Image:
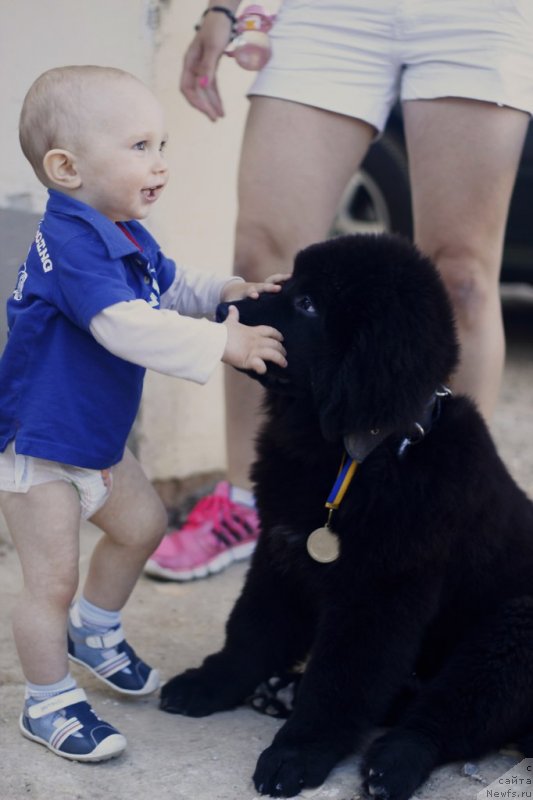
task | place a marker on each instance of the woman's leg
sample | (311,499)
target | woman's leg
(463,158)
(295,162)
(134,521)
(44,525)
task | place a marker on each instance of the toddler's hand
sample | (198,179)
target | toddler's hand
(249,347)
(238,291)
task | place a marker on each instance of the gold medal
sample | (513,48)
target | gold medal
(323,545)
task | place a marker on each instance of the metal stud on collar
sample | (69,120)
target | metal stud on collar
(408,441)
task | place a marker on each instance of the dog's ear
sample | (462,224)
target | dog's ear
(368,389)
(361,390)
(390,341)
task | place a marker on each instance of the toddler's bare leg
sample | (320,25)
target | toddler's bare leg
(44,525)
(133,521)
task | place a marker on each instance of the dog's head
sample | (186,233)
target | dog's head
(368,330)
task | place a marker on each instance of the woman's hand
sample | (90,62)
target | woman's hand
(198,78)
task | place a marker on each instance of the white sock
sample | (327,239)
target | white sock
(39,691)
(97,619)
(242,496)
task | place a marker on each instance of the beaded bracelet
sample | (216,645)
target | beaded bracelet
(221,10)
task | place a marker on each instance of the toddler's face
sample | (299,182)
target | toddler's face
(121,158)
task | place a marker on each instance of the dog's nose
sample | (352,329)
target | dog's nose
(222,311)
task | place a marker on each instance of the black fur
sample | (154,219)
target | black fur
(435,576)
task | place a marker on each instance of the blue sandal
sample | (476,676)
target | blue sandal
(110,658)
(69,727)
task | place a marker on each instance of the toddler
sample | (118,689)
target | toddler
(95,304)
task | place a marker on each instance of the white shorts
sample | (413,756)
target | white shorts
(357,57)
(19,473)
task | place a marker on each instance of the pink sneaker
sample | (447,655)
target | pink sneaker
(216,533)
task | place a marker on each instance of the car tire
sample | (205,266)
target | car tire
(378,198)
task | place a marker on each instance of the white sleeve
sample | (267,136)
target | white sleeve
(161,340)
(194,293)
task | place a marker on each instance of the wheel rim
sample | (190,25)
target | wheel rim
(362,209)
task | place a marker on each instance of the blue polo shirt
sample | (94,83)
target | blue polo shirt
(63,396)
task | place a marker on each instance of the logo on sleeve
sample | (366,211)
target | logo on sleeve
(21,280)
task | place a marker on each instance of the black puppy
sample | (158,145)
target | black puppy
(413,605)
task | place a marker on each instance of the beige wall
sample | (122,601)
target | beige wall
(180,428)
(35,36)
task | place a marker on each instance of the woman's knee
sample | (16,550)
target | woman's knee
(471,280)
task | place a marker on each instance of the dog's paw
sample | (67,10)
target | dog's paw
(283,771)
(197,693)
(395,766)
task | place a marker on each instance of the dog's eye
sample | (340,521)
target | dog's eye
(304,303)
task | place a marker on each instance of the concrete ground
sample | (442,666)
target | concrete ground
(174,626)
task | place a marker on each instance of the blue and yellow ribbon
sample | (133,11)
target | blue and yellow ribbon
(344,478)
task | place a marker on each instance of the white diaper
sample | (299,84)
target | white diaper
(19,473)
